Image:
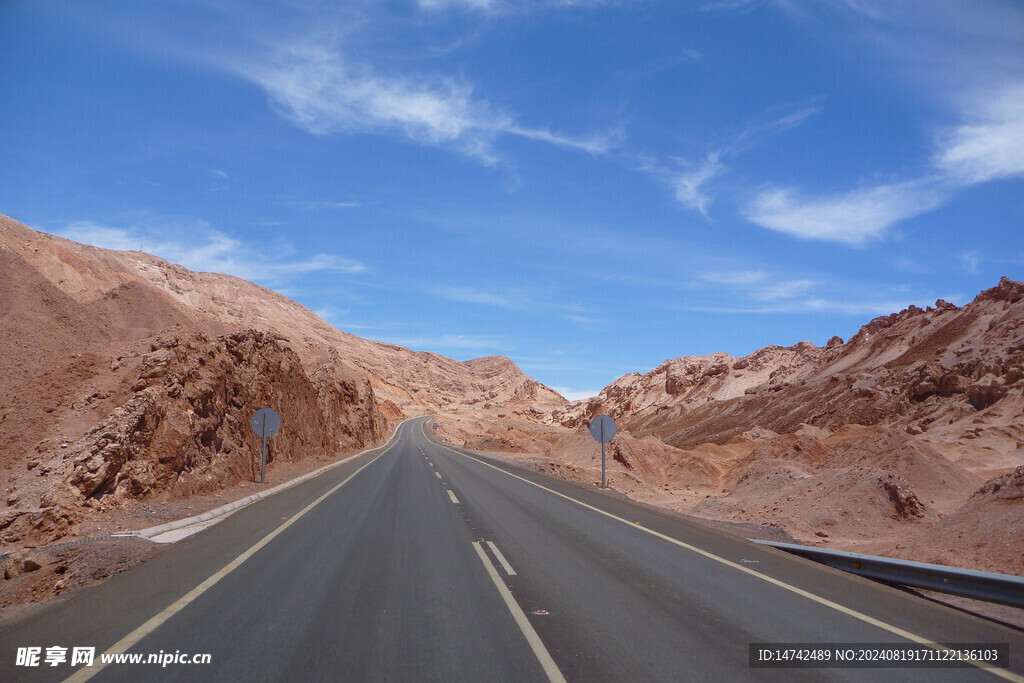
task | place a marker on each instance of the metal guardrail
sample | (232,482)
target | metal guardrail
(1001,588)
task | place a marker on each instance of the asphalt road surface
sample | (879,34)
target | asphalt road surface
(417,562)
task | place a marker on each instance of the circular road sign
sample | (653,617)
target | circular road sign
(265,421)
(602,428)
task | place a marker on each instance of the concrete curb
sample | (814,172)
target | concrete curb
(224,511)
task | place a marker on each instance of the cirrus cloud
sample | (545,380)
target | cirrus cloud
(990,144)
(311,84)
(853,217)
(200,248)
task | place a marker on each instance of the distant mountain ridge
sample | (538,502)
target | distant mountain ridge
(918,369)
(907,440)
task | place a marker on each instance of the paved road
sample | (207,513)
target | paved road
(422,563)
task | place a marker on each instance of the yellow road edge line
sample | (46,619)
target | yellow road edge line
(123,645)
(896,630)
(536,644)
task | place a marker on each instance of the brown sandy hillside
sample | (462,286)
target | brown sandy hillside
(416,382)
(880,444)
(126,378)
(985,533)
(113,392)
(943,370)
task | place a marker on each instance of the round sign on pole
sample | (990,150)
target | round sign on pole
(265,422)
(602,428)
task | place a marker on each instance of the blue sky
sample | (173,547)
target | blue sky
(589,187)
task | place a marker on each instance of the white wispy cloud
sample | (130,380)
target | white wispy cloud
(971,60)
(970,260)
(909,265)
(734,277)
(104,237)
(757,285)
(460,4)
(519,299)
(853,217)
(731,5)
(587,320)
(203,249)
(505,6)
(449,341)
(773,121)
(690,184)
(989,145)
(597,144)
(311,205)
(313,85)
(797,7)
(786,289)
(869,307)
(758,291)
(472,295)
(812,305)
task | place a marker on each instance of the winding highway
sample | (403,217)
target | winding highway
(420,562)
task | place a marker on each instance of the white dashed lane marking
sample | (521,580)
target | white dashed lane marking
(501,559)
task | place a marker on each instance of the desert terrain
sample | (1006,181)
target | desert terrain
(126,388)
(907,440)
(127,382)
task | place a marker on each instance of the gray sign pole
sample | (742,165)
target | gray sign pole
(265,422)
(263,456)
(604,480)
(602,428)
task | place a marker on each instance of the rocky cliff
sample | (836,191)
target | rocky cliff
(918,370)
(125,378)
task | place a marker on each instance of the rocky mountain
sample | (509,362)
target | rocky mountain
(126,378)
(919,370)
(417,382)
(906,440)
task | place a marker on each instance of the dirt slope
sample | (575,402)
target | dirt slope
(127,379)
(880,444)
(984,534)
(416,382)
(919,370)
